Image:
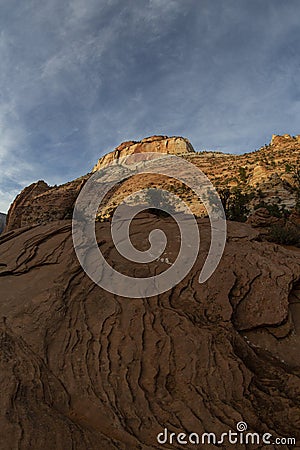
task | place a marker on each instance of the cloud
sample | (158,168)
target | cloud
(80,76)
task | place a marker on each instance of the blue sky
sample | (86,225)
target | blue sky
(77,77)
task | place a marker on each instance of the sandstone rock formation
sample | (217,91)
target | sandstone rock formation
(84,369)
(262,218)
(279,141)
(155,144)
(266,174)
(40,203)
(22,203)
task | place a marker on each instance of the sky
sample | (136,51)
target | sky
(78,77)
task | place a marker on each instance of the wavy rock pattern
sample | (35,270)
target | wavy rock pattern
(84,369)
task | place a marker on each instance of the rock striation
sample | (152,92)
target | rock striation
(267,175)
(156,144)
(262,218)
(82,368)
(41,203)
(85,369)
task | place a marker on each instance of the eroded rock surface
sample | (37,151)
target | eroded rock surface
(175,145)
(41,203)
(84,369)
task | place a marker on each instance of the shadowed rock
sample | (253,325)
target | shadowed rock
(82,368)
(2,221)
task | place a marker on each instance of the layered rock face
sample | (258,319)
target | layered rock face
(85,369)
(23,203)
(41,203)
(262,219)
(265,174)
(285,139)
(156,144)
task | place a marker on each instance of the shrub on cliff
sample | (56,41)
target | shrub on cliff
(285,234)
(160,200)
(235,203)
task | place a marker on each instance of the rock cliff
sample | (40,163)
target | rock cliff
(40,203)
(156,144)
(85,369)
(266,175)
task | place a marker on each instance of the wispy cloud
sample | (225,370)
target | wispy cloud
(77,77)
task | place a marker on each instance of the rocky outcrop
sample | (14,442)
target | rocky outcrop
(85,369)
(295,217)
(283,140)
(261,218)
(40,203)
(155,144)
(266,174)
(19,207)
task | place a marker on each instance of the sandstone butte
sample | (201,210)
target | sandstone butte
(87,370)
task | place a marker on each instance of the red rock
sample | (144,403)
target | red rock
(40,203)
(261,218)
(155,144)
(82,368)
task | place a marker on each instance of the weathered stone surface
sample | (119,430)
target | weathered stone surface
(295,217)
(84,369)
(282,140)
(267,173)
(154,144)
(19,207)
(261,218)
(40,203)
